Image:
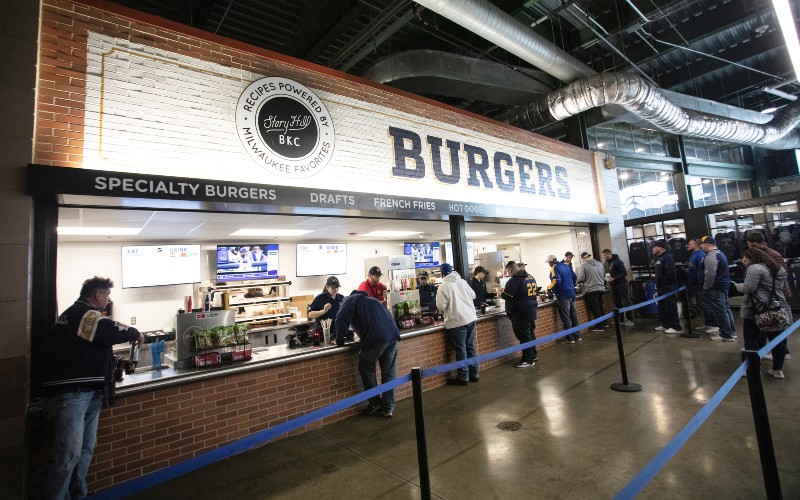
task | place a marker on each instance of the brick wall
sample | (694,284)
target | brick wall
(158,429)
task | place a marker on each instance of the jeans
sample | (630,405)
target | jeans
(386,356)
(754,338)
(525,331)
(74,417)
(717,302)
(569,316)
(462,339)
(708,318)
(594,302)
(622,298)
(668,312)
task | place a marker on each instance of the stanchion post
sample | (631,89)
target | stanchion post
(624,386)
(422,446)
(687,315)
(766,451)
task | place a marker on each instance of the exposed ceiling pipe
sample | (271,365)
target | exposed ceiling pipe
(490,22)
(648,101)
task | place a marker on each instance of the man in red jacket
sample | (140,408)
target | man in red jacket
(373,286)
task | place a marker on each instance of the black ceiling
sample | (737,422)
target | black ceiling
(723,50)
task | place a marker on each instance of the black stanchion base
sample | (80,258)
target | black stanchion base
(691,335)
(619,386)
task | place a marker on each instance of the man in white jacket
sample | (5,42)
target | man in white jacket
(455,299)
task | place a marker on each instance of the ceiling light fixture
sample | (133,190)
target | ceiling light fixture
(624,176)
(390,234)
(98,231)
(270,232)
(785,18)
(476,234)
(526,235)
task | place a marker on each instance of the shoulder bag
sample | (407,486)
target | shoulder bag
(770,316)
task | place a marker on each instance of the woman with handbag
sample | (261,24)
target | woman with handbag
(764,308)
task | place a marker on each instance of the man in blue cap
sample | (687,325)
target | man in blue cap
(455,299)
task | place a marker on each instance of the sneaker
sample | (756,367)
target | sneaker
(777,373)
(524,364)
(672,330)
(474,380)
(661,328)
(728,339)
(596,329)
(627,323)
(767,356)
(371,410)
(386,414)
(717,338)
(578,338)
(701,328)
(786,357)
(457,381)
(712,330)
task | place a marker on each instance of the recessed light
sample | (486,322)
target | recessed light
(270,232)
(526,235)
(390,234)
(99,231)
(476,234)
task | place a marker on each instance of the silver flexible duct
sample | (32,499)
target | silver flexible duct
(648,101)
(483,18)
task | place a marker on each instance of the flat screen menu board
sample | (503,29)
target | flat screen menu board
(246,262)
(157,265)
(321,259)
(448,253)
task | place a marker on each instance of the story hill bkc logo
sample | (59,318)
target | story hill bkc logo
(285,127)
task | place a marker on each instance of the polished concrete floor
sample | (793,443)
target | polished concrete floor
(578,438)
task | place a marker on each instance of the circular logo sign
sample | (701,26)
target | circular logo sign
(285,127)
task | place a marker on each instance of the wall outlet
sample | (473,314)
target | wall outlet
(133,320)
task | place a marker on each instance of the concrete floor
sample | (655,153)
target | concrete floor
(579,439)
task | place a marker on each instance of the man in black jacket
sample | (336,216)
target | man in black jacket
(78,380)
(666,281)
(617,277)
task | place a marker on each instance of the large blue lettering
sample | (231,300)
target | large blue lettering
(563,185)
(545,179)
(499,159)
(402,155)
(436,159)
(478,162)
(525,165)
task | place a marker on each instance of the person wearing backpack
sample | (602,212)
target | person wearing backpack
(763,283)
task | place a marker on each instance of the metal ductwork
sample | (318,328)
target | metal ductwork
(648,101)
(452,75)
(496,26)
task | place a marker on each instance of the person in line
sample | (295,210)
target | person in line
(756,240)
(78,382)
(568,259)
(455,299)
(378,335)
(521,307)
(326,304)
(592,274)
(562,284)
(617,277)
(666,276)
(694,277)
(478,285)
(763,280)
(373,286)
(716,281)
(427,293)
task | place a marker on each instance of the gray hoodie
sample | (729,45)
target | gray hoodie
(592,274)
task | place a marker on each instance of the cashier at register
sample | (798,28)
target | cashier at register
(427,293)
(326,305)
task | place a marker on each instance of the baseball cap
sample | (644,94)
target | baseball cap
(332,281)
(480,269)
(510,263)
(660,243)
(446,269)
(585,254)
(551,258)
(569,254)
(708,239)
(520,264)
(375,271)
(423,274)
